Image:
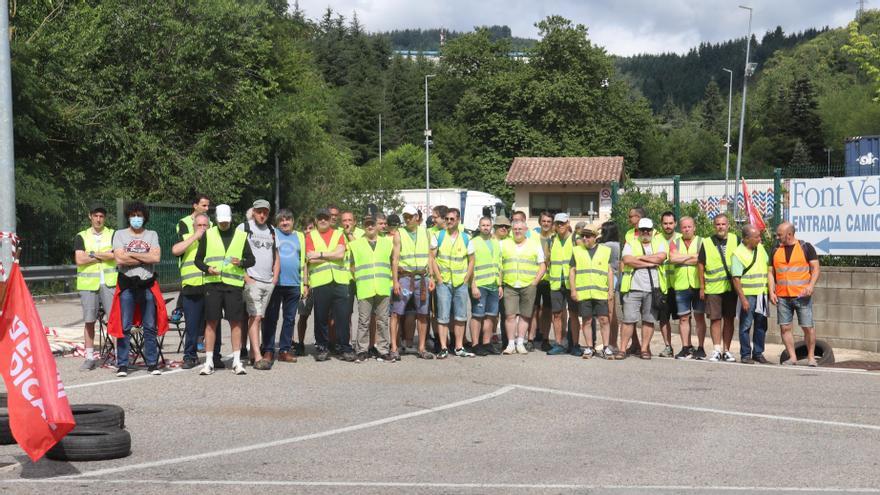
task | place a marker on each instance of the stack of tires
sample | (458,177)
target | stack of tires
(99,433)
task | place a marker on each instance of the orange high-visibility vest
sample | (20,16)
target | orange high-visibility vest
(793,276)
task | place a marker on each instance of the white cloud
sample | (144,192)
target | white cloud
(624,27)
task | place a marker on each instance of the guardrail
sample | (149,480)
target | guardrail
(46,273)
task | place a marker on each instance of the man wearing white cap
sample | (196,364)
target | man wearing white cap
(224,257)
(261,278)
(411,281)
(643,284)
(560,296)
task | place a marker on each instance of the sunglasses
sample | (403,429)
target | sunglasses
(645,230)
(588,234)
(450,219)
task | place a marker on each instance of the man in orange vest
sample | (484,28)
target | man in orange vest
(793,276)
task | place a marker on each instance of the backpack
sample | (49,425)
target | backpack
(442,235)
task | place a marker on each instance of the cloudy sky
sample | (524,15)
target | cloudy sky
(623,27)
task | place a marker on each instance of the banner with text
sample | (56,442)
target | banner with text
(838,215)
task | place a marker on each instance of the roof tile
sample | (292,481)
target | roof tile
(565,170)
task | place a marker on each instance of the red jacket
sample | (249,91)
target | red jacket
(114,321)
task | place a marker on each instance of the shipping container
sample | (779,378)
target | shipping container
(862,155)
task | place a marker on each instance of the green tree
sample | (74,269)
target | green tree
(864,49)
(712,110)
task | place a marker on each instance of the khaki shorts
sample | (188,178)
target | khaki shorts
(519,301)
(256,297)
(720,306)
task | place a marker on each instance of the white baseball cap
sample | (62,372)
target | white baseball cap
(410,210)
(646,223)
(223,213)
(561,218)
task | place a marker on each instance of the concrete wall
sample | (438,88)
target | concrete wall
(845,309)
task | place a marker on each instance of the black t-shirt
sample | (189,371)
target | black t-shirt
(720,243)
(809,251)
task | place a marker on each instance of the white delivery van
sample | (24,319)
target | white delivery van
(471,203)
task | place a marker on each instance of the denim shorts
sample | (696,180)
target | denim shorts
(688,301)
(486,305)
(410,296)
(787,306)
(451,301)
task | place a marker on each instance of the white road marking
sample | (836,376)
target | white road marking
(700,409)
(122,380)
(447,486)
(800,368)
(301,438)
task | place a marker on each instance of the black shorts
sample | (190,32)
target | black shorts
(224,301)
(592,308)
(542,295)
(671,309)
(559,299)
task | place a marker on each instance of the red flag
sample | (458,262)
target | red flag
(39,414)
(755,217)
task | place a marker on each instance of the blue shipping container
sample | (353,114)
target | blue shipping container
(862,155)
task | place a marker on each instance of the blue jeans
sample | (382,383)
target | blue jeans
(486,305)
(286,299)
(745,324)
(332,299)
(194,319)
(451,301)
(129,299)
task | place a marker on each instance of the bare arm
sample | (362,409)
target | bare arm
(814,277)
(635,262)
(179,248)
(737,286)
(572,273)
(542,268)
(470,268)
(701,276)
(610,283)
(432,265)
(771,283)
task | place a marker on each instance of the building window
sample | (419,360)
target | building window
(575,204)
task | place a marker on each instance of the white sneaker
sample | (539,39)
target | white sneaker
(729,357)
(588,353)
(460,352)
(521,349)
(715,357)
(510,349)
(238,369)
(207,369)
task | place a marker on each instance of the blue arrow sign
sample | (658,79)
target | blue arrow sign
(827,245)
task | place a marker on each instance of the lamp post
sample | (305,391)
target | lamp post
(742,116)
(427,146)
(828,150)
(727,144)
(7,157)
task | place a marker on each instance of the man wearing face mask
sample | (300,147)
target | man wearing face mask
(224,257)
(137,251)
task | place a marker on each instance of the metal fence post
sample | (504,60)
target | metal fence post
(777,197)
(121,221)
(676,195)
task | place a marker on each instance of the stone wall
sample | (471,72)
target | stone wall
(845,309)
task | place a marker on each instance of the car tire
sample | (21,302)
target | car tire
(91,444)
(106,416)
(5,431)
(824,352)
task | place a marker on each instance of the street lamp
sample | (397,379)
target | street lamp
(427,145)
(747,71)
(727,144)
(828,150)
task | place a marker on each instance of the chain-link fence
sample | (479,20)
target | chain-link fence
(47,241)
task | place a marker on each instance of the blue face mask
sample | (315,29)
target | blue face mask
(136,222)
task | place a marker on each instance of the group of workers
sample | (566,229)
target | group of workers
(410,279)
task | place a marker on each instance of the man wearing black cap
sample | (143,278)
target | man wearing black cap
(95,276)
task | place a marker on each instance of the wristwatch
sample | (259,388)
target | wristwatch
(91,254)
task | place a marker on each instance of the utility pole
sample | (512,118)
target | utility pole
(427,151)
(742,116)
(277,184)
(7,155)
(380,139)
(727,144)
(828,150)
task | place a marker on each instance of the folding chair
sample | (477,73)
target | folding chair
(176,319)
(106,343)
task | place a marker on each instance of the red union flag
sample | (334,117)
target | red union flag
(755,217)
(39,414)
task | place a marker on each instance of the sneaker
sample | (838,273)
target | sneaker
(322,355)
(122,371)
(556,350)
(608,352)
(386,358)
(728,357)
(510,349)
(361,357)
(154,370)
(760,359)
(521,349)
(238,369)
(374,352)
(667,352)
(588,353)
(460,352)
(577,351)
(349,357)
(443,354)
(480,350)
(685,353)
(88,365)
(546,346)
(530,346)
(491,350)
(394,355)
(299,349)
(747,360)
(189,363)
(716,356)
(699,354)
(207,369)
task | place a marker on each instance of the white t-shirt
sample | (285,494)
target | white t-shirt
(641,280)
(451,238)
